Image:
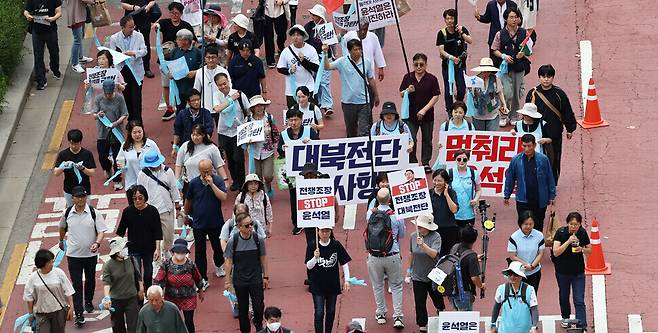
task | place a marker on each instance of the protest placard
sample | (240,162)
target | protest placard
(315,203)
(251,132)
(380,13)
(178,68)
(410,191)
(326,33)
(41,19)
(491,153)
(117,57)
(96,76)
(348,161)
(459,322)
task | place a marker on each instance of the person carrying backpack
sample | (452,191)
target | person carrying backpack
(389,123)
(253,195)
(382,237)
(516,303)
(462,297)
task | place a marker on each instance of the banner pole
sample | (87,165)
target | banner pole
(397,24)
(456,12)
(317,242)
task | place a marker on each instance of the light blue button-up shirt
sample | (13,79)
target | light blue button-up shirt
(352,90)
(527,247)
(397,226)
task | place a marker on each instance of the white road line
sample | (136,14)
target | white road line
(599,302)
(585,69)
(349,218)
(634,323)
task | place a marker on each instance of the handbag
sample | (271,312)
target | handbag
(100,16)
(553,226)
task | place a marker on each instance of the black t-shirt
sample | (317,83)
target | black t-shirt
(453,44)
(324,277)
(142,15)
(169,30)
(443,217)
(234,40)
(43,8)
(70,179)
(569,262)
(143,227)
(470,267)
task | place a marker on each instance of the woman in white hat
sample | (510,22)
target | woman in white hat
(425,245)
(253,195)
(516,303)
(262,153)
(532,124)
(490,108)
(241,31)
(299,60)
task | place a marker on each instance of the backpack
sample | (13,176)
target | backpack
(447,124)
(254,236)
(450,264)
(379,233)
(452,178)
(243,196)
(68,211)
(509,294)
(379,123)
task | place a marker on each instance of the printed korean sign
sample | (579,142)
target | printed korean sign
(491,153)
(380,13)
(315,203)
(326,33)
(251,132)
(459,321)
(410,191)
(348,162)
(96,76)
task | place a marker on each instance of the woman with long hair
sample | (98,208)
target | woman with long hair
(133,151)
(198,147)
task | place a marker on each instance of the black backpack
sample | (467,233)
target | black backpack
(254,236)
(379,233)
(509,294)
(448,264)
(243,195)
(445,127)
(379,123)
(68,211)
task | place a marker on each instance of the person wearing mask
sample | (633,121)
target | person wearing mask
(489,100)
(262,153)
(233,107)
(203,205)
(76,15)
(131,43)
(113,107)
(425,245)
(188,118)
(142,223)
(298,62)
(46,291)
(204,79)
(389,265)
(159,315)
(181,281)
(246,71)
(570,246)
(241,32)
(452,43)
(372,49)
(42,19)
(199,147)
(273,321)
(465,181)
(71,158)
(424,91)
(85,228)
(323,96)
(133,151)
(246,264)
(275,22)
(444,205)
(526,245)
(515,303)
(322,260)
(141,11)
(122,287)
(194,59)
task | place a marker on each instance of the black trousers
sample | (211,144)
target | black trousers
(293,15)
(76,267)
(104,148)
(234,158)
(538,214)
(133,95)
(272,25)
(200,249)
(39,42)
(556,161)
(460,87)
(145,28)
(243,293)
(188,316)
(421,290)
(124,317)
(426,128)
(533,280)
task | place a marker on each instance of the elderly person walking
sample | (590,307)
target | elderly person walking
(159,315)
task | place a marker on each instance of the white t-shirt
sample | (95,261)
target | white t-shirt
(239,119)
(371,48)
(210,90)
(310,115)
(302,76)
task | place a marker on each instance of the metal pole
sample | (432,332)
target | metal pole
(456,12)
(397,23)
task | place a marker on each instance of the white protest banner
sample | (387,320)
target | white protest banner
(251,132)
(326,33)
(117,57)
(491,153)
(410,191)
(178,68)
(315,203)
(96,76)
(41,19)
(459,322)
(380,13)
(348,162)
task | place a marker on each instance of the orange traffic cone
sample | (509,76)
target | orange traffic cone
(596,264)
(592,117)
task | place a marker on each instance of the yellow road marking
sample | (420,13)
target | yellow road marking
(9,282)
(58,133)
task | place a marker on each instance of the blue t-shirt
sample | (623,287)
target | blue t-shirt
(246,74)
(352,90)
(514,313)
(527,247)
(464,187)
(206,208)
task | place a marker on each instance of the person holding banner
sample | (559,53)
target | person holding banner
(111,106)
(312,114)
(193,58)
(133,151)
(444,207)
(188,118)
(372,49)
(356,94)
(104,60)
(488,99)
(76,163)
(465,181)
(322,260)
(263,152)
(452,42)
(298,62)
(323,95)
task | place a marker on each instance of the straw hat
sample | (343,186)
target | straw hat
(241,21)
(300,28)
(320,11)
(516,268)
(486,65)
(426,221)
(258,100)
(530,110)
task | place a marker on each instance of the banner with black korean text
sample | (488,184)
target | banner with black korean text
(315,203)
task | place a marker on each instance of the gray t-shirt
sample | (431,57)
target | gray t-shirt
(81,232)
(201,152)
(423,263)
(244,245)
(114,109)
(230,224)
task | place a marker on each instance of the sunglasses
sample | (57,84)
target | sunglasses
(248,225)
(462,159)
(419,64)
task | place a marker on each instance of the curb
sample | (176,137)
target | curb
(16,98)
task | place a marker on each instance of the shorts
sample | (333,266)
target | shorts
(164,80)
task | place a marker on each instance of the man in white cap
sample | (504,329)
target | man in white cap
(241,24)
(516,303)
(301,61)
(275,21)
(160,183)
(193,57)
(372,50)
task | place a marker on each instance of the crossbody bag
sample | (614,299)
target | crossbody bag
(51,292)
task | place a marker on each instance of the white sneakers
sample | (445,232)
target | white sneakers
(78,69)
(85,60)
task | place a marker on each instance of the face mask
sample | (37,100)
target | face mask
(124,253)
(273,327)
(179,256)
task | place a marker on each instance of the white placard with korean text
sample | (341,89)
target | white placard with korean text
(459,322)
(326,33)
(410,191)
(380,13)
(251,132)
(96,76)
(315,203)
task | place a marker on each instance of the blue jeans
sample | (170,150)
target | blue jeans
(325,99)
(565,283)
(322,303)
(76,48)
(462,305)
(145,260)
